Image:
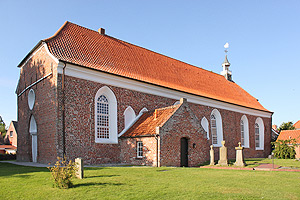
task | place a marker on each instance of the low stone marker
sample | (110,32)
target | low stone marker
(239,159)
(79,172)
(223,155)
(212,155)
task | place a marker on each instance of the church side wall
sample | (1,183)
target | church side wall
(44,109)
(80,119)
(80,123)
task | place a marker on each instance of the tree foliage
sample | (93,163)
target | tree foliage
(286,126)
(2,126)
(285,149)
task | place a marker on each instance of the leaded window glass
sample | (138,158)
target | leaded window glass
(139,149)
(257,142)
(214,135)
(102,125)
(242,133)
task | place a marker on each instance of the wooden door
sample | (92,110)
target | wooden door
(184,152)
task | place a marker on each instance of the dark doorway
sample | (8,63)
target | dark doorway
(184,152)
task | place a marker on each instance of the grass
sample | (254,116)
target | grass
(19,182)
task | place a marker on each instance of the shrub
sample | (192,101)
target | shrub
(62,173)
(285,149)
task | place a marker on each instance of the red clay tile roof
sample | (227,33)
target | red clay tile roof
(78,45)
(146,124)
(289,134)
(297,125)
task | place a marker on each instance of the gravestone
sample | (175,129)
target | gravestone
(79,165)
(239,159)
(223,155)
(212,155)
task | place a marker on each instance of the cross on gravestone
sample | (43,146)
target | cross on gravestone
(239,159)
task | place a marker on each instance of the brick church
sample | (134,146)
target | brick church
(82,93)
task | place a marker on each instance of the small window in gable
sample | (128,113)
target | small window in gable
(129,116)
(11,134)
(139,149)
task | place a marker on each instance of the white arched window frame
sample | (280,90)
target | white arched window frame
(205,125)
(33,133)
(259,134)
(129,116)
(143,111)
(216,128)
(244,125)
(106,116)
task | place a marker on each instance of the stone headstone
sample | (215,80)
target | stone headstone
(79,164)
(239,160)
(212,155)
(223,155)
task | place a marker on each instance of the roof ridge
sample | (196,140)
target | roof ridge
(105,35)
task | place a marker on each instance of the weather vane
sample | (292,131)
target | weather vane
(226,46)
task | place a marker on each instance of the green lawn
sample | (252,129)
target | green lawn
(19,182)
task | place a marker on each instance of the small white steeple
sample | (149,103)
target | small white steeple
(226,64)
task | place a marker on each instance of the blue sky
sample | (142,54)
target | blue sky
(264,39)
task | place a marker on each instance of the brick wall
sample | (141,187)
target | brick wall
(44,110)
(129,151)
(183,123)
(79,122)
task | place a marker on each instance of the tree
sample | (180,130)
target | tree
(286,126)
(2,127)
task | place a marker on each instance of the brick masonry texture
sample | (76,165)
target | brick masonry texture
(80,123)
(44,110)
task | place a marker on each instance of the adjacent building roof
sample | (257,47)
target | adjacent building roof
(297,125)
(15,125)
(81,46)
(147,123)
(289,134)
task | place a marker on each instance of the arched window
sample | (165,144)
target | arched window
(33,133)
(216,128)
(214,132)
(105,116)
(129,116)
(204,124)
(259,134)
(143,110)
(244,131)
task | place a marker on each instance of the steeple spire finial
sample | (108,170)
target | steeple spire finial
(226,64)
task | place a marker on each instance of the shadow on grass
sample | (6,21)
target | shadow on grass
(100,176)
(8,169)
(95,184)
